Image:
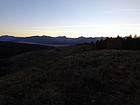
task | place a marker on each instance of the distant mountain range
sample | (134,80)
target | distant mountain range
(61,40)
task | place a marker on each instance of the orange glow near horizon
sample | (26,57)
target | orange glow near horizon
(86,30)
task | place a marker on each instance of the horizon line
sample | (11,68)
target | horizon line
(138,36)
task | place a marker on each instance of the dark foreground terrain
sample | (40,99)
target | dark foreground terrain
(72,76)
(8,49)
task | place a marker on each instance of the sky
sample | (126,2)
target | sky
(71,18)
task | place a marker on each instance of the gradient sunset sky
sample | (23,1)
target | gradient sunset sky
(72,18)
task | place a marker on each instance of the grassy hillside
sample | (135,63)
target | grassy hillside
(72,76)
(8,49)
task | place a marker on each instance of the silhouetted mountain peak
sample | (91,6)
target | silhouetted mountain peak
(49,40)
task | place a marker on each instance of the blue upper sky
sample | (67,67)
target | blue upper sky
(72,18)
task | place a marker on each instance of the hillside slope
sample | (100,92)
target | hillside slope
(72,76)
(8,49)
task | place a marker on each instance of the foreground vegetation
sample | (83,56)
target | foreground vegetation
(119,43)
(72,76)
